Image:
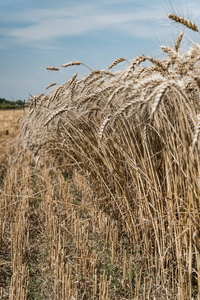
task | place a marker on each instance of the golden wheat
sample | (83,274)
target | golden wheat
(183,21)
(52,68)
(108,190)
(116,62)
(71,63)
(50,85)
(178,42)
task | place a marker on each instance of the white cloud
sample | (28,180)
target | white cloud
(43,24)
(39,25)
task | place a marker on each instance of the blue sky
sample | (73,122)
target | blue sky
(41,33)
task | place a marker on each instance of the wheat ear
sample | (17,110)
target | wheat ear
(158,98)
(75,63)
(52,69)
(71,63)
(73,79)
(56,113)
(183,21)
(138,60)
(50,85)
(197,133)
(98,74)
(157,63)
(117,61)
(172,53)
(73,84)
(124,107)
(116,91)
(103,126)
(178,42)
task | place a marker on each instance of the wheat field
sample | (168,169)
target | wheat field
(9,129)
(100,196)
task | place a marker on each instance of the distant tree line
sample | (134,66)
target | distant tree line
(7,104)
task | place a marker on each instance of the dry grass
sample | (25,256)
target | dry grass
(8,119)
(101,199)
(9,128)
